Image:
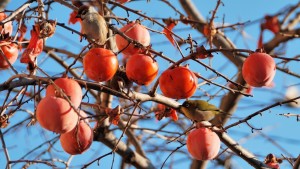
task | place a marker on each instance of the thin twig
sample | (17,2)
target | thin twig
(16,12)
(8,166)
(177,148)
(34,161)
(97,159)
(260,112)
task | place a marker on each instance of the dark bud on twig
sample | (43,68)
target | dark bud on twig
(4,121)
(46,28)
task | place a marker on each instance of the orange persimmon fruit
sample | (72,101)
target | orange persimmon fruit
(70,87)
(141,68)
(100,64)
(55,114)
(79,139)
(259,69)
(135,31)
(203,144)
(178,83)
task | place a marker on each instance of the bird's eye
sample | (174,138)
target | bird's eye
(187,105)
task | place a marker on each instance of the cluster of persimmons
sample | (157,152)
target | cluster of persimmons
(59,110)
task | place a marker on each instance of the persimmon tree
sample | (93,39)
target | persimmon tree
(68,101)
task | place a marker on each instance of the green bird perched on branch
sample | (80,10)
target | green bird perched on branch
(199,110)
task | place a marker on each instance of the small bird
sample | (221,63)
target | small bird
(93,24)
(3,4)
(199,110)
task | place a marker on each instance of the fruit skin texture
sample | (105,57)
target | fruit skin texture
(71,88)
(55,114)
(142,69)
(178,83)
(11,53)
(203,144)
(136,32)
(100,64)
(259,69)
(79,139)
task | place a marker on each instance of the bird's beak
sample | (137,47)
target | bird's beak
(77,16)
(183,110)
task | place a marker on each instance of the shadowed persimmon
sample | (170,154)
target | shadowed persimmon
(259,69)
(79,139)
(136,32)
(55,114)
(70,87)
(203,144)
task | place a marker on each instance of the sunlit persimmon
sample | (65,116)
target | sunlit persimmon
(135,31)
(259,69)
(178,83)
(70,87)
(7,28)
(10,51)
(203,144)
(79,139)
(100,64)
(55,114)
(141,68)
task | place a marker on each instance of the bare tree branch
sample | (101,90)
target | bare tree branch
(130,156)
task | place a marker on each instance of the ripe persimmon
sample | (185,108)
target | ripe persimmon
(70,87)
(178,83)
(100,64)
(79,139)
(141,68)
(259,69)
(203,144)
(135,31)
(56,114)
